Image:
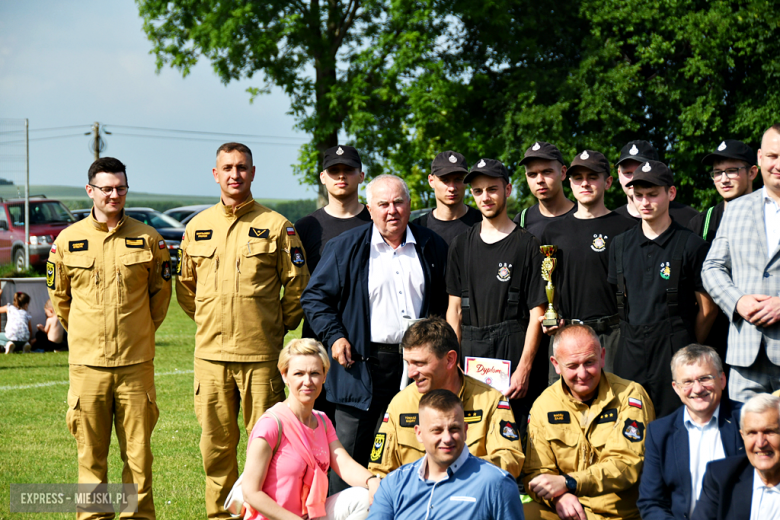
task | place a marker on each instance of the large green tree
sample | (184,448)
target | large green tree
(341,63)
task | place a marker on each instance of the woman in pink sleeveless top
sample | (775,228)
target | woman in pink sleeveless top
(286,479)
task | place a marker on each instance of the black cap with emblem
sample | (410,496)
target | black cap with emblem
(639,151)
(342,154)
(449,162)
(653,172)
(542,150)
(489,167)
(589,160)
(731,149)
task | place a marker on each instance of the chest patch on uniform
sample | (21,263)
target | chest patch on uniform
(607,416)
(504,272)
(508,430)
(407,420)
(78,245)
(166,271)
(203,234)
(296,256)
(379,447)
(599,243)
(666,270)
(472,416)
(179,255)
(634,430)
(51,269)
(135,243)
(259,233)
(558,417)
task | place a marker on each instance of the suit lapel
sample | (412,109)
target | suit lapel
(683,457)
(758,215)
(743,493)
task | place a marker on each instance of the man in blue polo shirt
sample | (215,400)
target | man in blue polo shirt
(448,482)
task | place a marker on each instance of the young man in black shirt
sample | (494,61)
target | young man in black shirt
(496,289)
(583,238)
(633,155)
(451,216)
(545,172)
(660,296)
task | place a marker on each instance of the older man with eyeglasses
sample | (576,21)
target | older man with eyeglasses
(679,446)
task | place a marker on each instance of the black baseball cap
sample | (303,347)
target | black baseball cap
(542,150)
(449,162)
(590,160)
(640,151)
(653,172)
(731,149)
(342,154)
(489,167)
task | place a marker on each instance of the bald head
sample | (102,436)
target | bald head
(578,358)
(769,160)
(576,334)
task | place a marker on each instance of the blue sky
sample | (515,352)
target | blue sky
(74,63)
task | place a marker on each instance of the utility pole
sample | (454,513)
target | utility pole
(96,136)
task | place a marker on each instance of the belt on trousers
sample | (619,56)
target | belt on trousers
(386,347)
(600,324)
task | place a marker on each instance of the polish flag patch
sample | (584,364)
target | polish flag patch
(161,244)
(54,248)
(504,405)
(387,417)
(290,231)
(635,402)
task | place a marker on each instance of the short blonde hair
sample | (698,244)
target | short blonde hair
(303,347)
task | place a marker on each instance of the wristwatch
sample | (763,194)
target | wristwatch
(571,484)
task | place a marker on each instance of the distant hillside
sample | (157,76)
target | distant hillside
(76,198)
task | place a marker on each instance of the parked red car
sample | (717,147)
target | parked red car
(47,218)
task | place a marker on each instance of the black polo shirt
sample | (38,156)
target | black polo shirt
(535,222)
(580,275)
(646,265)
(681,213)
(697,223)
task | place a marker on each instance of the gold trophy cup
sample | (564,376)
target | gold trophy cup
(548,266)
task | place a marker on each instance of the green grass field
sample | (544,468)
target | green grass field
(36,446)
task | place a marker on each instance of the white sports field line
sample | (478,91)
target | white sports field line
(55,383)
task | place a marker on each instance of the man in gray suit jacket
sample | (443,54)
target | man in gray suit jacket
(742,274)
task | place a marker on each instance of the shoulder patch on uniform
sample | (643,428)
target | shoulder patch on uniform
(634,402)
(504,405)
(472,416)
(78,245)
(136,243)
(407,420)
(166,271)
(161,244)
(53,248)
(634,430)
(607,416)
(51,270)
(259,233)
(296,255)
(509,430)
(386,417)
(179,255)
(558,417)
(203,234)
(290,231)
(379,447)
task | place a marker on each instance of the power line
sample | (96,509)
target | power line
(205,133)
(44,129)
(41,138)
(194,139)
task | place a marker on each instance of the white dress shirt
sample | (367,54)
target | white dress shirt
(396,285)
(766,500)
(771,222)
(704,445)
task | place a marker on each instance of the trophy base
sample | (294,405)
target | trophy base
(550,322)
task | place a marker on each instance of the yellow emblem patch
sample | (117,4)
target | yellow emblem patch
(50,271)
(379,447)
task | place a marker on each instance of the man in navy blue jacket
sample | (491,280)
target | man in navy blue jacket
(370,282)
(679,446)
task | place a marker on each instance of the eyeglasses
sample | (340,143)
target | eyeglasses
(107,190)
(731,173)
(707,380)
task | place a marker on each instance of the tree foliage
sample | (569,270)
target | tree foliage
(405,79)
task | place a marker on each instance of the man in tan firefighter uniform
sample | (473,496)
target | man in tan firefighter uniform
(234,261)
(430,348)
(109,278)
(586,436)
